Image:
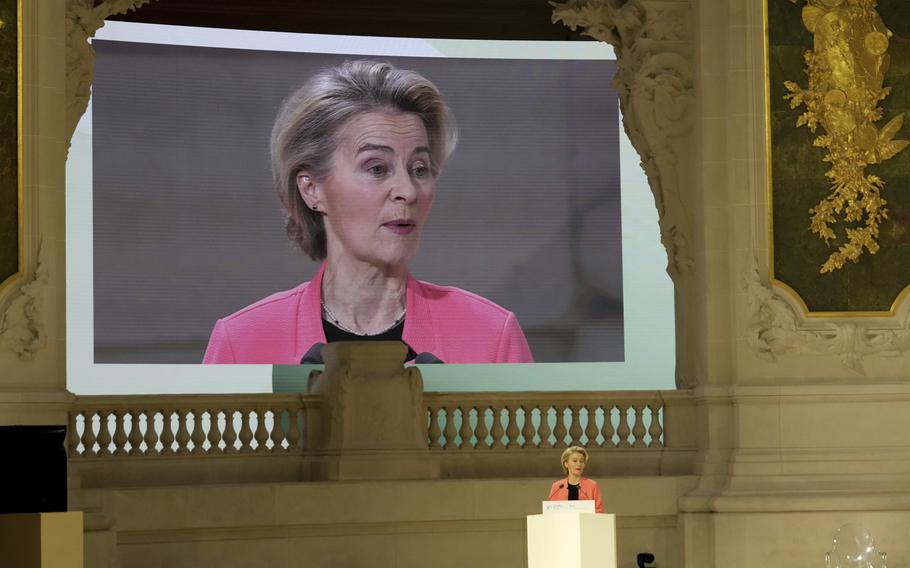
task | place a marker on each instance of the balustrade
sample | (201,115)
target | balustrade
(191,425)
(544,420)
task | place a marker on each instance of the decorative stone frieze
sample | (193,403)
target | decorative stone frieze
(655,83)
(777,327)
(83,19)
(21,324)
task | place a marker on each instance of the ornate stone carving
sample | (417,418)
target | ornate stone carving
(83,19)
(654,80)
(777,328)
(21,325)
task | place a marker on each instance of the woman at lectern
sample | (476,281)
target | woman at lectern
(574,487)
(356,153)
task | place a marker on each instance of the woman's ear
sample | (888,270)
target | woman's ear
(306,187)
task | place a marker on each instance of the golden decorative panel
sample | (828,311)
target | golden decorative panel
(838,92)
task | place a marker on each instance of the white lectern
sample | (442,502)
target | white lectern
(572,540)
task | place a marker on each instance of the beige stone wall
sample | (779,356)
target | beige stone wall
(453,523)
(32,313)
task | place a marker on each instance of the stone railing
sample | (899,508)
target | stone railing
(132,440)
(532,420)
(109,426)
(522,434)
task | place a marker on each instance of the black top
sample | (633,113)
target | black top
(573,491)
(334,333)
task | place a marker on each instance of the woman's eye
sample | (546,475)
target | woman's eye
(378,169)
(420,171)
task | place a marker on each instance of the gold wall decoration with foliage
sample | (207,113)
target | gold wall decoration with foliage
(846,70)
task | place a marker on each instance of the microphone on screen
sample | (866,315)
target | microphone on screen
(555,491)
(313,356)
(427,357)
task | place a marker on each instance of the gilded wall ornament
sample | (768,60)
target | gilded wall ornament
(846,70)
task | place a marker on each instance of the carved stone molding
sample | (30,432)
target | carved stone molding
(22,328)
(654,80)
(776,328)
(83,19)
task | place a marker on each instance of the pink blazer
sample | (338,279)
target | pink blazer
(559,491)
(452,324)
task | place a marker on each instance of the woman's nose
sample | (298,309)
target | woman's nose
(404,188)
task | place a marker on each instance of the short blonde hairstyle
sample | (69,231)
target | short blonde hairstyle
(305,134)
(568,452)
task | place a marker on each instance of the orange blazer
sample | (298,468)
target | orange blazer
(588,489)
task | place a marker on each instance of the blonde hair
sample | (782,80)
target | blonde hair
(568,452)
(305,134)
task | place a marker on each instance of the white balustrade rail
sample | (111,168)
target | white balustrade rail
(136,440)
(540,420)
(188,425)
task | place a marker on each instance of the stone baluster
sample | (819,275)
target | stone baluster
(213,436)
(293,433)
(261,434)
(230,432)
(608,430)
(623,430)
(167,432)
(246,432)
(197,436)
(88,434)
(183,432)
(151,433)
(482,431)
(655,430)
(591,429)
(135,435)
(544,429)
(465,432)
(496,430)
(449,432)
(560,429)
(638,429)
(277,435)
(119,438)
(575,424)
(527,428)
(104,434)
(434,431)
(512,431)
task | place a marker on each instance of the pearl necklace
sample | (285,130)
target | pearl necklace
(334,319)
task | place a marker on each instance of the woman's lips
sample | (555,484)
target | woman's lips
(400,226)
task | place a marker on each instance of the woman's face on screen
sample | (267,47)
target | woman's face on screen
(380,188)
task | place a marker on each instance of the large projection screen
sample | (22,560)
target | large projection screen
(173,223)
